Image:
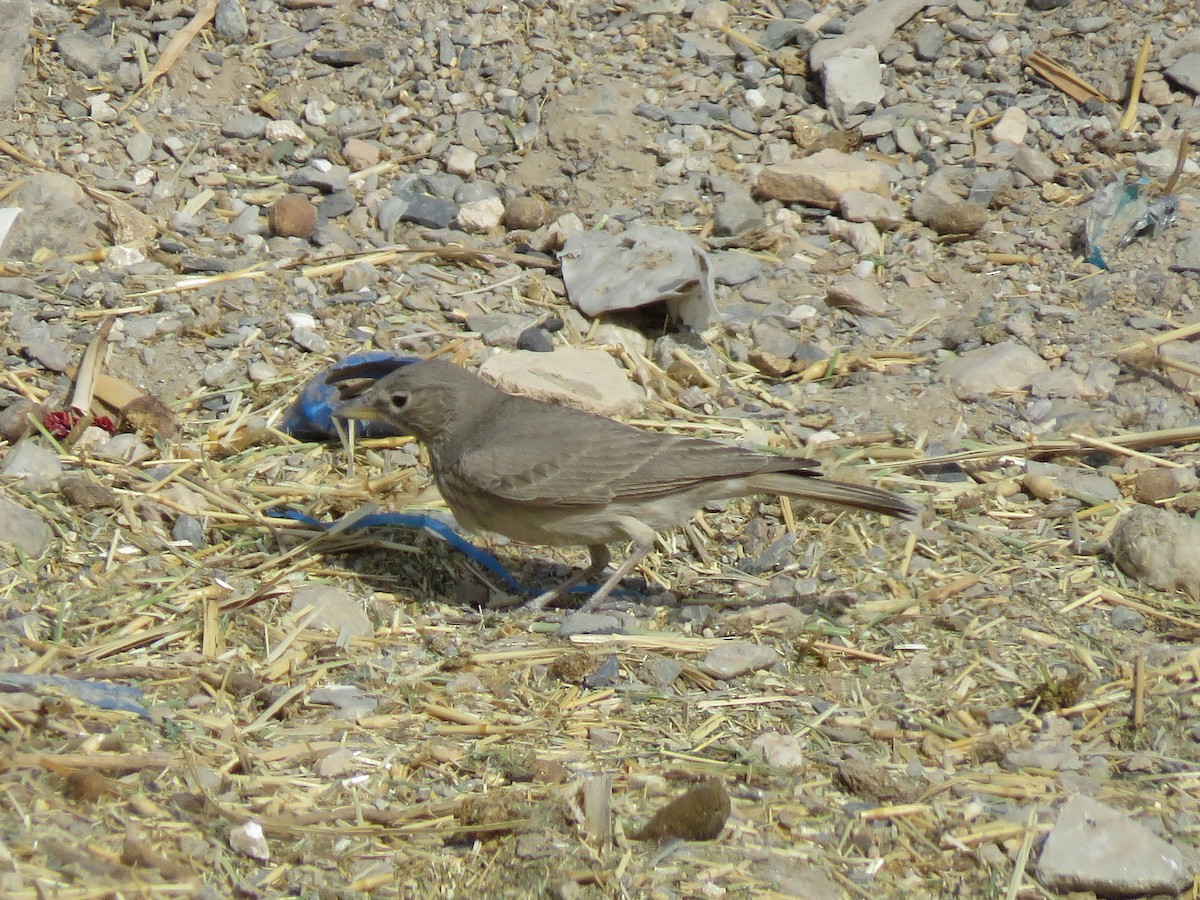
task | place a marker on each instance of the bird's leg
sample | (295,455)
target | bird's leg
(600,560)
(636,555)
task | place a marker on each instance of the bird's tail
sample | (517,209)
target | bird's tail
(839,493)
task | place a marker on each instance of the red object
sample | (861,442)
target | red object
(60,423)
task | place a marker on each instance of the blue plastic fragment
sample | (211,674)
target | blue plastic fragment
(426,522)
(101,694)
(310,417)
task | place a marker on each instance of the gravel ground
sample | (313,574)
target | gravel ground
(939,259)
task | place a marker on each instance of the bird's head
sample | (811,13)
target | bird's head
(424,399)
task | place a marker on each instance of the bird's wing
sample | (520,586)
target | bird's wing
(564,457)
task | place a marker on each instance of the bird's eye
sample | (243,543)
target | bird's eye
(399,401)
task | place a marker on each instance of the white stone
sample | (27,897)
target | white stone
(1012,127)
(480,216)
(853,82)
(587,379)
(461,161)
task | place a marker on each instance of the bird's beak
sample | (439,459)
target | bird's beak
(355,408)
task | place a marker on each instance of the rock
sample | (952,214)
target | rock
(480,216)
(734,267)
(139,147)
(245,127)
(857,296)
(780,751)
(84,52)
(527,213)
(52,355)
(188,530)
(862,236)
(729,659)
(1034,164)
(14,419)
(866,206)
(736,212)
(23,528)
(17,16)
(929,42)
(360,154)
(589,623)
(499,329)
(588,379)
(324,177)
(429,211)
(1012,127)
(1185,72)
(794,878)
(1096,848)
(292,215)
(461,161)
(88,493)
(57,217)
(821,179)
(958,217)
(1000,367)
(230,21)
(713,14)
(35,466)
(1158,548)
(335,608)
(853,82)
(1158,484)
(873,26)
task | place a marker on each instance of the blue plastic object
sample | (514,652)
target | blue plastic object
(310,417)
(102,694)
(426,522)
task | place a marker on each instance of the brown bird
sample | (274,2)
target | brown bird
(540,473)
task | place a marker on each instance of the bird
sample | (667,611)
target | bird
(543,473)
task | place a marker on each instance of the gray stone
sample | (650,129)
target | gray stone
(245,126)
(284,42)
(326,180)
(780,32)
(139,147)
(85,53)
(35,466)
(734,267)
(1185,72)
(1096,848)
(23,529)
(189,530)
(927,45)
(853,82)
(1034,164)
(499,329)
(1000,367)
(865,206)
(873,26)
(729,659)
(390,212)
(589,623)
(57,217)
(737,212)
(14,47)
(431,212)
(335,609)
(230,21)
(339,203)
(52,355)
